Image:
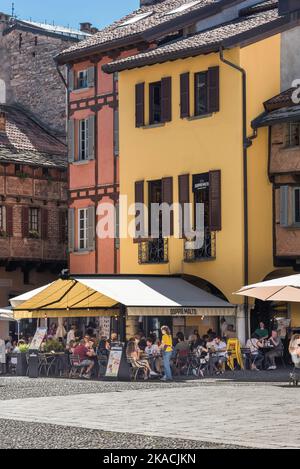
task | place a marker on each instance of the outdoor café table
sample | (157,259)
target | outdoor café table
(58,363)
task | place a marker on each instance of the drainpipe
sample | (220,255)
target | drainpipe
(246,144)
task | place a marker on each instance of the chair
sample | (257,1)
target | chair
(246,354)
(76,366)
(135,368)
(182,360)
(281,358)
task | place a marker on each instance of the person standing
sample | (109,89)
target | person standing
(167,349)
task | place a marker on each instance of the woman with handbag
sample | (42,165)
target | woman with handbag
(167,350)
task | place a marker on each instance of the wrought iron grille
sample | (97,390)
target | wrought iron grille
(208,250)
(153,251)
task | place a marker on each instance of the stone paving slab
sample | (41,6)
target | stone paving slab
(227,414)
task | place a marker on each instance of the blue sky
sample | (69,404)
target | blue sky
(71,12)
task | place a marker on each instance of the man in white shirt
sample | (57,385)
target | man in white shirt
(220,348)
(71,337)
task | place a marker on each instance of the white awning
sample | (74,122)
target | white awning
(159,296)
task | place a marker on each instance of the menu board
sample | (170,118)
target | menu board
(114,362)
(38,338)
(104,327)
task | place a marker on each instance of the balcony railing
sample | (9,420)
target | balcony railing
(153,251)
(207,252)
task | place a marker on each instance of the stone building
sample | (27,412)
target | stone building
(28,74)
(33,155)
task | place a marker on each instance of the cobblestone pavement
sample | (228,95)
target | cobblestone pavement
(106,415)
(25,435)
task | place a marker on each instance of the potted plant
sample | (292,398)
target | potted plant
(21,368)
(34,234)
(53,345)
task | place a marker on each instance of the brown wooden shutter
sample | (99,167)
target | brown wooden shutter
(166,99)
(215,201)
(44,223)
(185,95)
(139,199)
(140,105)
(91,137)
(184,198)
(213,83)
(167,198)
(9,221)
(25,222)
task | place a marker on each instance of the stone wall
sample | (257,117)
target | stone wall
(31,77)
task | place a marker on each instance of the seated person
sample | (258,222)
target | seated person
(257,357)
(277,350)
(294,349)
(154,355)
(84,353)
(220,348)
(103,347)
(136,355)
(261,332)
(182,344)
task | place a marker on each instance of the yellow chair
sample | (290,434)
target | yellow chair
(234,353)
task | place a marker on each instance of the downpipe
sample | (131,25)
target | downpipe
(247,142)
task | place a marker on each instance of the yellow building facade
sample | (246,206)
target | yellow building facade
(198,145)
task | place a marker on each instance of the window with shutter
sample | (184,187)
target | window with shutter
(71,140)
(166,99)
(140,105)
(185,95)
(184,198)
(213,83)
(91,77)
(215,200)
(82,79)
(139,202)
(71,229)
(167,198)
(25,222)
(91,138)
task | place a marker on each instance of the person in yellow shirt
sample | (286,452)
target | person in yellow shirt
(167,349)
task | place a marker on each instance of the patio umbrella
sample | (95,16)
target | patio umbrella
(6,314)
(279,289)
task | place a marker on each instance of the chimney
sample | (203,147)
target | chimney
(144,3)
(88,28)
(286,7)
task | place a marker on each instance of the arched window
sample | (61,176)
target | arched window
(2,92)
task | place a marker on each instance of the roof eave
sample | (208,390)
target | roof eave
(242,40)
(149,35)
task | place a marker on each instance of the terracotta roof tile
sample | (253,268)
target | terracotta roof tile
(211,38)
(159,16)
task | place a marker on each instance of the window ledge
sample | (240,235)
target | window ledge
(153,126)
(82,162)
(204,259)
(80,90)
(203,116)
(154,263)
(82,252)
(292,148)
